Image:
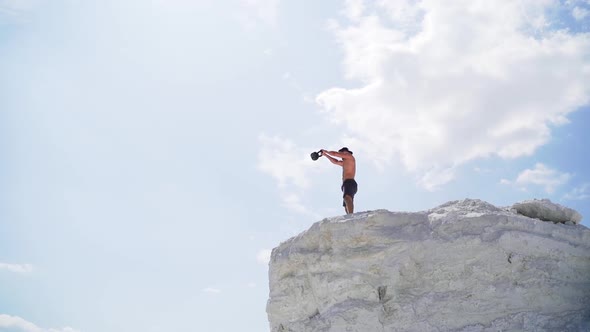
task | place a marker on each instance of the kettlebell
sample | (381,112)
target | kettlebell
(316,155)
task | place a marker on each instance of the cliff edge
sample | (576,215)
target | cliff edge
(463,266)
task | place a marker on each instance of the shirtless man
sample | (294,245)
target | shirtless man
(348,164)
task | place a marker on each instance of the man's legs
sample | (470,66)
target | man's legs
(349,205)
(349,188)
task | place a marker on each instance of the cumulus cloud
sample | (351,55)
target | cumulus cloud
(17,268)
(444,83)
(543,176)
(15,322)
(353,9)
(263,256)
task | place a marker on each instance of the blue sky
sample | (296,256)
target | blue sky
(153,152)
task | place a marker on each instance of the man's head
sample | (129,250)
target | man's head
(345,149)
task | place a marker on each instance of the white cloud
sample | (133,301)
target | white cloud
(251,285)
(290,166)
(505,182)
(580,13)
(263,256)
(406,14)
(353,9)
(434,178)
(543,176)
(462,80)
(284,161)
(579,193)
(292,201)
(15,322)
(211,290)
(17,268)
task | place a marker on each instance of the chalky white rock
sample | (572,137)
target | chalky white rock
(463,266)
(546,210)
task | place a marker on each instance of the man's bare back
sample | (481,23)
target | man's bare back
(348,164)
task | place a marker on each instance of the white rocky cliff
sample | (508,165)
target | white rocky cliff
(464,266)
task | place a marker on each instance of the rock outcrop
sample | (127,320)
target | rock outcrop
(546,210)
(463,266)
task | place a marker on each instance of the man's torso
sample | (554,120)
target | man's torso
(348,168)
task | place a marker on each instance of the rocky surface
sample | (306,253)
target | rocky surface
(463,266)
(546,210)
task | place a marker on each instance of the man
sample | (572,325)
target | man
(348,164)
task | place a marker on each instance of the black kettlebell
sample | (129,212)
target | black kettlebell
(316,155)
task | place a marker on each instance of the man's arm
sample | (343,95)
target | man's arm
(336,154)
(332,160)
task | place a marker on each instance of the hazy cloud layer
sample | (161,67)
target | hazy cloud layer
(579,193)
(256,12)
(443,83)
(283,160)
(211,290)
(17,268)
(580,13)
(17,5)
(289,165)
(17,323)
(14,10)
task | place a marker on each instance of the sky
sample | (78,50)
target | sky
(152,153)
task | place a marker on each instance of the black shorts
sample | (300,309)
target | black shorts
(349,187)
